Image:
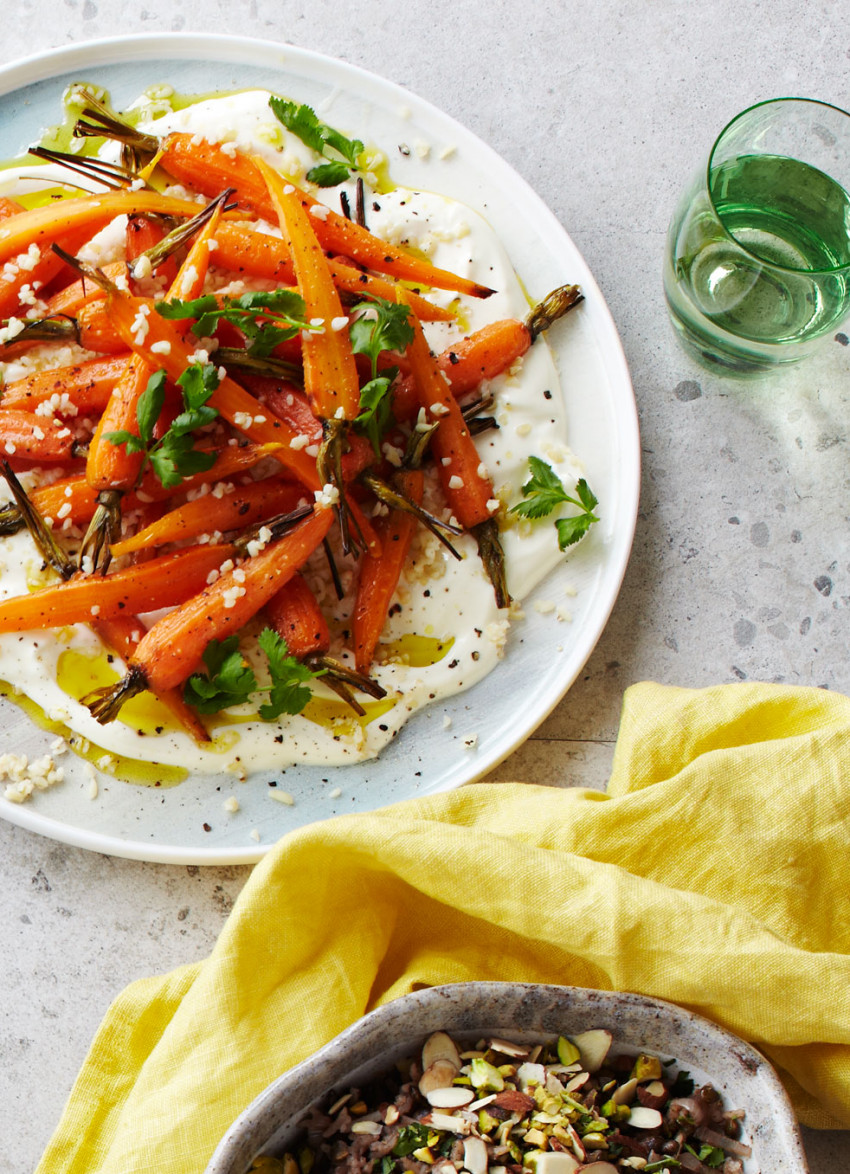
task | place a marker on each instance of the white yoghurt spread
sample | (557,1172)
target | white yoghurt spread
(449,603)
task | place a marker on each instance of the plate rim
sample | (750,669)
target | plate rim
(143,47)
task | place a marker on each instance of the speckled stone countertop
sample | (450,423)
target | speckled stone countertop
(740,567)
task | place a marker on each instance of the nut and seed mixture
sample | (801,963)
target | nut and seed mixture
(505,1108)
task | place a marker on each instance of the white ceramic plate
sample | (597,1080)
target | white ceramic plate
(186,824)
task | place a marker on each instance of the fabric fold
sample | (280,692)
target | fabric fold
(713,874)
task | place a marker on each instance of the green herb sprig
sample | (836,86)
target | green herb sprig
(544,492)
(229,680)
(174,455)
(378,325)
(304,123)
(265,318)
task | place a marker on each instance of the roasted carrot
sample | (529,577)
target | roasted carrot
(73,500)
(173,647)
(32,270)
(489,351)
(122,635)
(27,436)
(42,226)
(162,582)
(78,293)
(330,373)
(9,207)
(143,232)
(206,168)
(244,250)
(378,577)
(80,388)
(235,404)
(235,509)
(294,613)
(463,475)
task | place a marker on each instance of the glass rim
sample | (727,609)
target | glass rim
(750,253)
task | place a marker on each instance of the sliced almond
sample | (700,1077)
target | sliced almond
(594,1046)
(439,1046)
(454,1096)
(599,1168)
(528,1074)
(440,1074)
(371,1127)
(556,1162)
(475,1155)
(578,1081)
(507,1048)
(625,1094)
(450,1124)
(642,1117)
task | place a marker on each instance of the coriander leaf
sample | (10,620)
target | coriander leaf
(177,309)
(194,418)
(376,408)
(198,382)
(229,680)
(280,301)
(288,692)
(134,443)
(544,492)
(150,405)
(386,328)
(570,530)
(303,122)
(328,175)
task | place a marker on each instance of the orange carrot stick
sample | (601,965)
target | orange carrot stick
(244,506)
(85,386)
(330,373)
(162,582)
(236,405)
(36,268)
(482,355)
(294,613)
(464,479)
(244,250)
(206,168)
(44,225)
(78,293)
(379,577)
(173,647)
(122,634)
(27,436)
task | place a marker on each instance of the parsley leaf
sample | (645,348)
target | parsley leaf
(266,318)
(174,455)
(544,492)
(379,326)
(711,1155)
(303,122)
(230,681)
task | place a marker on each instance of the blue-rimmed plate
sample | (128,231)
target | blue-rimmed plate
(186,823)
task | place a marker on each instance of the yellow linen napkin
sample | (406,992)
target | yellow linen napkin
(713,874)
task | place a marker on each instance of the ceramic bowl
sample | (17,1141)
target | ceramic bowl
(524,1012)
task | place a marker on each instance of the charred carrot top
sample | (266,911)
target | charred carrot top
(379,577)
(162,582)
(225,508)
(41,226)
(245,251)
(208,169)
(330,373)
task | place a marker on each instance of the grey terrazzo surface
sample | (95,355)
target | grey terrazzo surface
(740,565)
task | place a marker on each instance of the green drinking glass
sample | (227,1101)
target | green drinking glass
(757,265)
